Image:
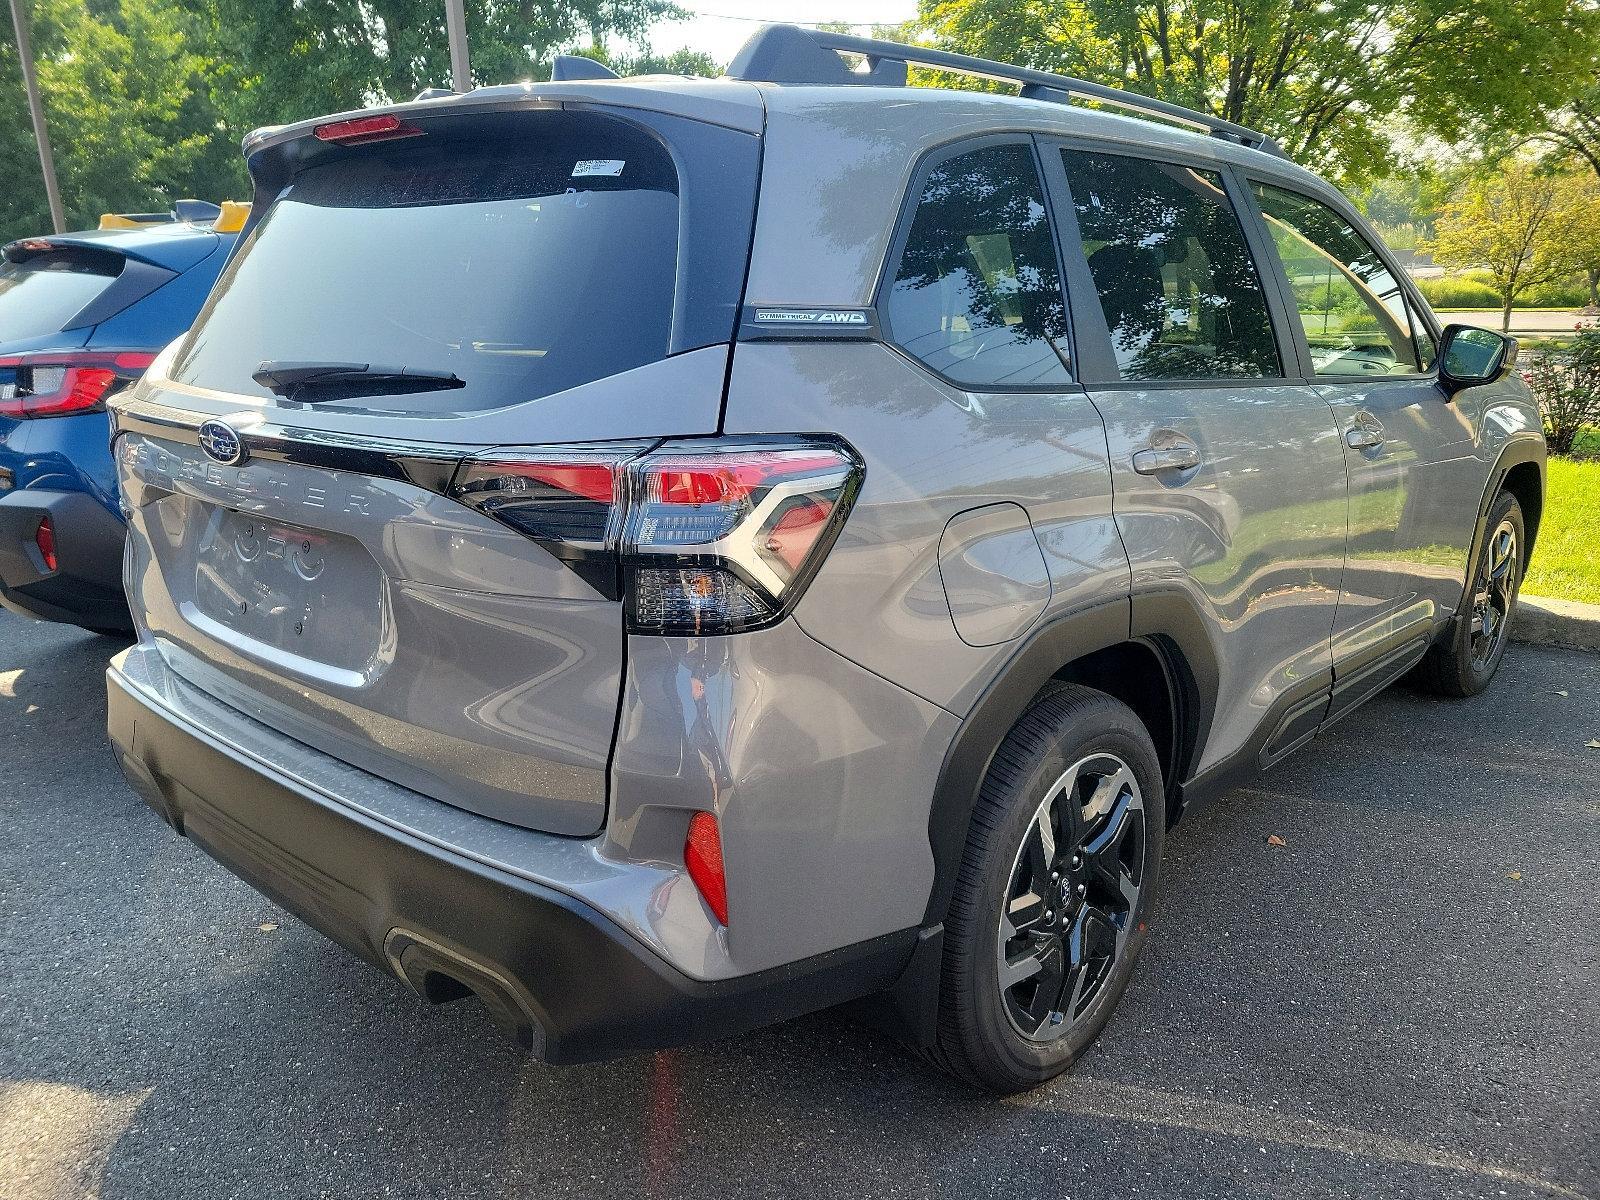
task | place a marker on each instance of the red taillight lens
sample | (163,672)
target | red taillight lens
(712,537)
(702,855)
(45,539)
(60,384)
(379,128)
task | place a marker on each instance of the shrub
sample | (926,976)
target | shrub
(1569,293)
(1458,293)
(1566,382)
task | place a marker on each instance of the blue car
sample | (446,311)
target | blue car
(81,316)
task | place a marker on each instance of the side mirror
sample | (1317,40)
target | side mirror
(1469,356)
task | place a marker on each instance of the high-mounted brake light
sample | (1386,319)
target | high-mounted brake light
(702,855)
(379,128)
(58,384)
(707,537)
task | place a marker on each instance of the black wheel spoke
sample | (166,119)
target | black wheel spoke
(1043,1007)
(1115,870)
(1092,949)
(1495,593)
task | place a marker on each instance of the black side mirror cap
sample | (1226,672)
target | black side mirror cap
(1470,357)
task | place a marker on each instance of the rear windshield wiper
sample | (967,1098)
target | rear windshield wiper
(286,378)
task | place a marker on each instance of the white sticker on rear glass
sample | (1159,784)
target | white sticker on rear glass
(598,166)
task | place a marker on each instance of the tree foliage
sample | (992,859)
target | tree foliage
(127,94)
(1575,129)
(291,59)
(1332,80)
(1511,221)
(148,100)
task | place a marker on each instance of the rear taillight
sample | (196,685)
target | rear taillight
(45,538)
(58,384)
(699,538)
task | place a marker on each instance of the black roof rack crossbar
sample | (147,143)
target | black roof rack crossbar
(790,54)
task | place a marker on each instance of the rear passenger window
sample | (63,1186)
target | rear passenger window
(1181,296)
(1353,310)
(977,295)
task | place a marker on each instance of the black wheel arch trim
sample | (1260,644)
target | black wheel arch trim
(1167,622)
(1521,450)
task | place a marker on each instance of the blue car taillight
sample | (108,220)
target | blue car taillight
(698,538)
(59,384)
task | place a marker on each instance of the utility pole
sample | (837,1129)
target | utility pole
(47,162)
(455,19)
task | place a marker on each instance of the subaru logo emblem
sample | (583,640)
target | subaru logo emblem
(221,443)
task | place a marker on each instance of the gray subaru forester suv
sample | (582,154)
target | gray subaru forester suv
(664,555)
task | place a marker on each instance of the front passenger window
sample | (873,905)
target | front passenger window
(977,296)
(1352,309)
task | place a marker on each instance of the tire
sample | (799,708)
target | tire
(1464,663)
(1012,1038)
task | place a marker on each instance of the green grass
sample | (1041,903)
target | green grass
(1566,561)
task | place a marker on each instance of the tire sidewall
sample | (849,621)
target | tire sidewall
(1475,677)
(1120,734)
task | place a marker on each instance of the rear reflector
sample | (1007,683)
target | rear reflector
(379,128)
(702,855)
(45,539)
(62,384)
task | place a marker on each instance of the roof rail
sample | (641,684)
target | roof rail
(790,54)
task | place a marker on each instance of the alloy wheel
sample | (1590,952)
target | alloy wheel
(1495,593)
(1070,905)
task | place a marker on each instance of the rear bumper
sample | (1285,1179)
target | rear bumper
(86,586)
(572,984)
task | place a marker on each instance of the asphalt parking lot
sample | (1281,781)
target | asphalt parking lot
(1403,1000)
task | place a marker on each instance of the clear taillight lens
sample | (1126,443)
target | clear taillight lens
(724,538)
(699,538)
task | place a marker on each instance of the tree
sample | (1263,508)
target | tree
(1579,207)
(292,59)
(148,99)
(128,97)
(1330,79)
(1576,128)
(1509,221)
(683,61)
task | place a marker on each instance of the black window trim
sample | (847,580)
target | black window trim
(1099,368)
(1334,202)
(925,165)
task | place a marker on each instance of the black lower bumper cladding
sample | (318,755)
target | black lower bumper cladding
(85,586)
(570,983)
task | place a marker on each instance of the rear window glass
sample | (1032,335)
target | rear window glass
(977,296)
(40,295)
(522,265)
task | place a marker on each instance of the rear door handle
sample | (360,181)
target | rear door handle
(1178,456)
(1365,433)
